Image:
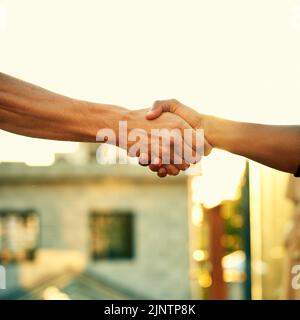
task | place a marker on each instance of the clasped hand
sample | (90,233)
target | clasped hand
(172,137)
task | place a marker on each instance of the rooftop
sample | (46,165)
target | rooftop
(19,173)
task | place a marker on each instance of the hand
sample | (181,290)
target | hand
(136,119)
(193,118)
(258,142)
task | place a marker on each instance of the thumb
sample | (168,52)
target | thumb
(159,106)
(157,109)
(154,112)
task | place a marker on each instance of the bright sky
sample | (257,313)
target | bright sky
(234,58)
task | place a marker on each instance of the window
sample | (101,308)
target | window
(18,235)
(112,235)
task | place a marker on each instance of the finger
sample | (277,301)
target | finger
(183,166)
(183,154)
(160,152)
(143,159)
(176,158)
(190,138)
(173,153)
(180,167)
(167,155)
(162,172)
(154,112)
(158,108)
(180,164)
(189,154)
(155,165)
(171,170)
(195,142)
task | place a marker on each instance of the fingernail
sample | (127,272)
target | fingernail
(143,159)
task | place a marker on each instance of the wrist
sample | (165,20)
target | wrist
(221,133)
(207,123)
(92,117)
(136,119)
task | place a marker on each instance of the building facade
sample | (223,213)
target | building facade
(119,224)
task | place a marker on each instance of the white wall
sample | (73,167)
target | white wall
(159,269)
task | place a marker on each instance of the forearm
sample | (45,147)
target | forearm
(32,111)
(274,146)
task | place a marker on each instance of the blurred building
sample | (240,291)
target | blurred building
(244,240)
(93,231)
(81,230)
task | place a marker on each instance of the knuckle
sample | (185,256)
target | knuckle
(175,171)
(178,124)
(157,103)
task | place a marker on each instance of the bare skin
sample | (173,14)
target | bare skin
(29,110)
(276,146)
(32,111)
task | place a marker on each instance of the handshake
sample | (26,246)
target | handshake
(167,138)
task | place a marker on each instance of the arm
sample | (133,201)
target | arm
(275,146)
(32,111)
(271,145)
